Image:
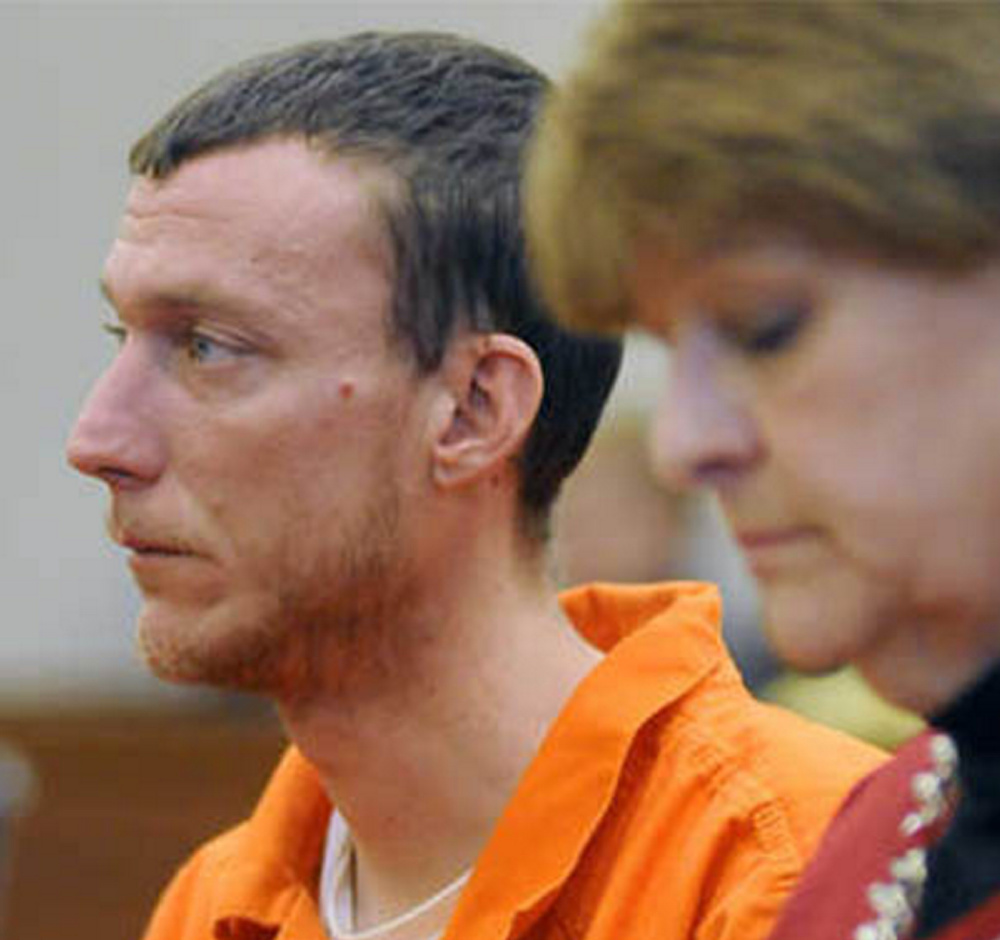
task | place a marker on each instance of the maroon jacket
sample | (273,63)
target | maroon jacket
(832,900)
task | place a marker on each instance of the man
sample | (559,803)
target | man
(332,438)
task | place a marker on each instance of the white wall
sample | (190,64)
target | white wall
(78,82)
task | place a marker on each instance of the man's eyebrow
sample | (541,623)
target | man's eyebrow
(190,298)
(178,298)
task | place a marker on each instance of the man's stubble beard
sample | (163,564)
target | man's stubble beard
(331,631)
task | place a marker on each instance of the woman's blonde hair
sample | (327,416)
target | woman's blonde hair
(868,127)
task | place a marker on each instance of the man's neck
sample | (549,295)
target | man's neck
(422,770)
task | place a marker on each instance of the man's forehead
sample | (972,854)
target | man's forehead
(271,227)
(282,186)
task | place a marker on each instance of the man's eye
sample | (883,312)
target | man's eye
(770,332)
(203,349)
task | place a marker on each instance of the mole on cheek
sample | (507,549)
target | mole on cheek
(346,390)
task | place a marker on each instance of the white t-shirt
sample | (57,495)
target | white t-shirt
(426,921)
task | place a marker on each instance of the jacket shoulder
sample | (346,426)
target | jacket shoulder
(185,909)
(741,791)
(789,773)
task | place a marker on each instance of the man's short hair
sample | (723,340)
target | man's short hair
(449,119)
(869,128)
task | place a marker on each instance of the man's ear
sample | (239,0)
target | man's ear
(496,385)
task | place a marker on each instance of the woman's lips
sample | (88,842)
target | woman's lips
(769,548)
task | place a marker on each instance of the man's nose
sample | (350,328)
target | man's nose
(117,437)
(702,435)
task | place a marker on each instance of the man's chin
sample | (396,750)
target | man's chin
(207,648)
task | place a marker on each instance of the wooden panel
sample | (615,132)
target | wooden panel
(122,799)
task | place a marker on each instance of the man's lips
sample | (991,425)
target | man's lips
(157,557)
(148,557)
(157,552)
(147,546)
(152,559)
(145,539)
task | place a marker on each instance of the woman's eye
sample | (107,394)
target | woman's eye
(770,332)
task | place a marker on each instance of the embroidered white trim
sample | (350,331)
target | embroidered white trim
(896,902)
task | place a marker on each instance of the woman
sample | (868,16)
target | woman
(803,200)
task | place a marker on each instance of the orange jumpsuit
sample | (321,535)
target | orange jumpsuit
(665,802)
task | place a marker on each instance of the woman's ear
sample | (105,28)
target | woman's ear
(496,385)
